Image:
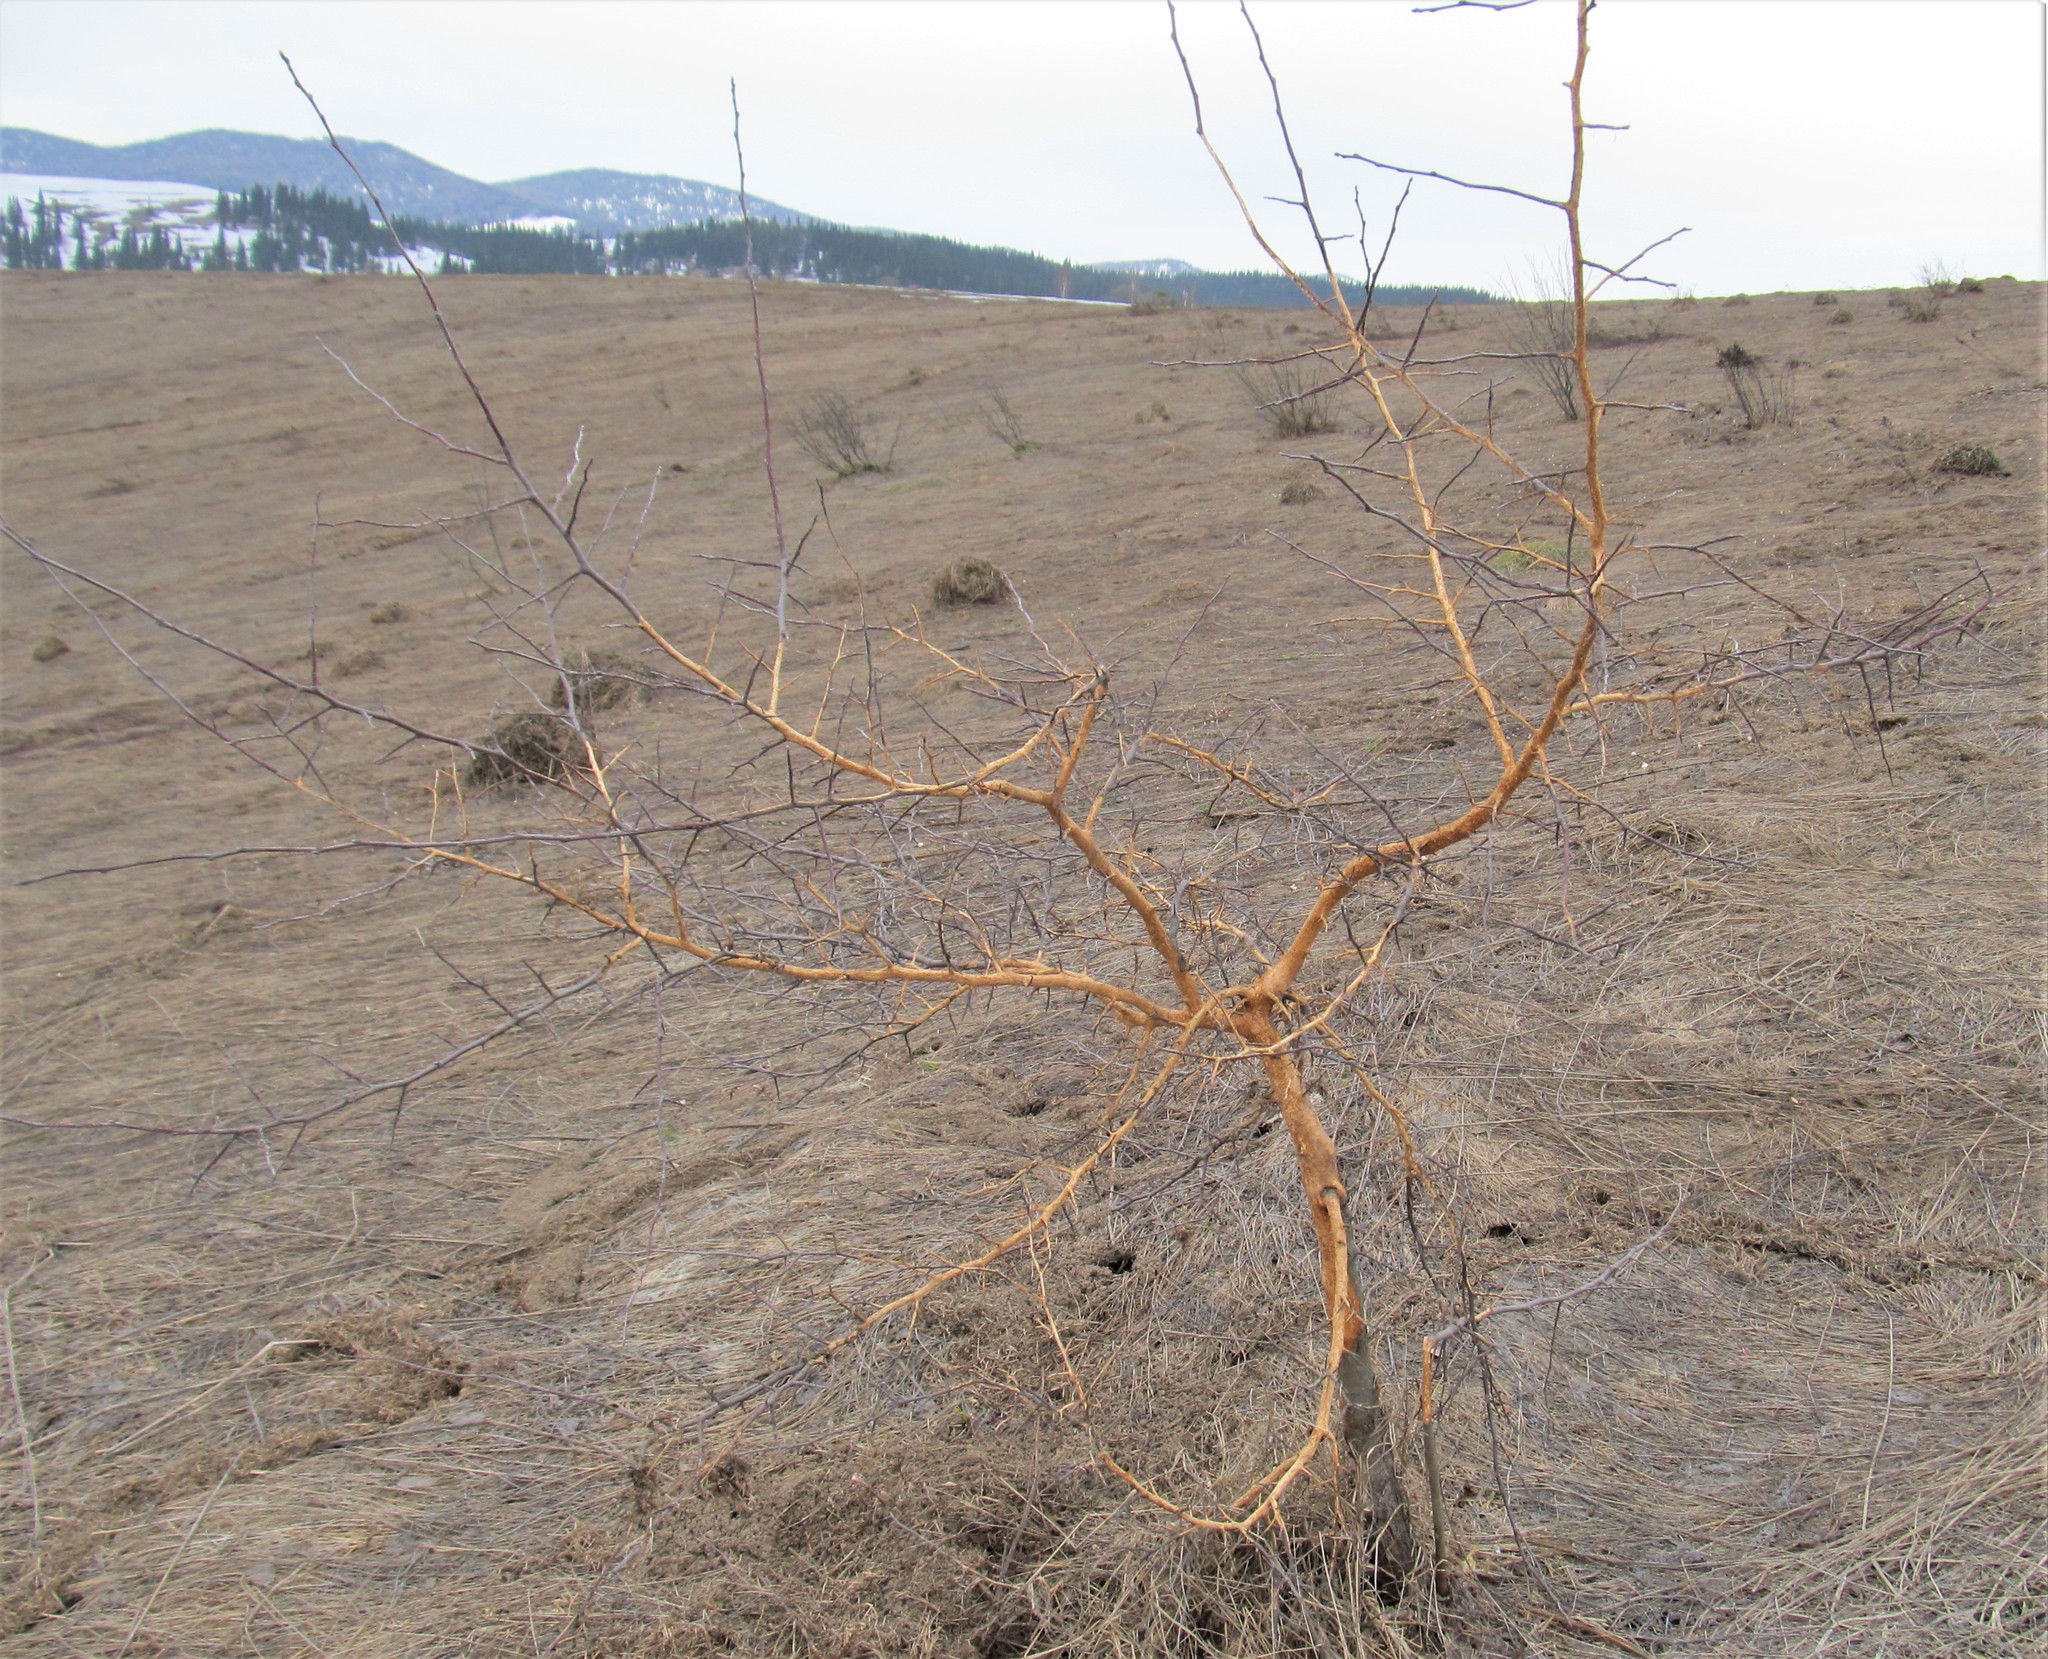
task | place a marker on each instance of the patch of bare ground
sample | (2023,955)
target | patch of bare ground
(522,1366)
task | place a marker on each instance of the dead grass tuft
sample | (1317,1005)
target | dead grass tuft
(528,747)
(1634,330)
(397,1370)
(601,679)
(1973,461)
(969,581)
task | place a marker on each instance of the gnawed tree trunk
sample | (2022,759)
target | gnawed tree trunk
(1364,1428)
(1368,1433)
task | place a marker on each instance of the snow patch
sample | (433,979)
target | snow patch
(145,202)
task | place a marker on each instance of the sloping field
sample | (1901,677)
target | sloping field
(1742,1048)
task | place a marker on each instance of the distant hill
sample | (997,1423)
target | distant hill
(601,201)
(815,251)
(306,211)
(225,160)
(604,202)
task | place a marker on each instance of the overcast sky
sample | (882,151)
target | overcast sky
(1807,143)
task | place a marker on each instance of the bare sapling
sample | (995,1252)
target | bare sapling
(1528,619)
(850,810)
(840,438)
(1545,330)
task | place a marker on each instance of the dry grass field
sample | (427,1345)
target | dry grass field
(485,1376)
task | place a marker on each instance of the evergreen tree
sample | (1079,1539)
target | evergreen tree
(34,242)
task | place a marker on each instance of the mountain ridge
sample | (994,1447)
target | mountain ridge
(624,223)
(602,201)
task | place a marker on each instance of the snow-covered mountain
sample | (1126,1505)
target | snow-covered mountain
(604,201)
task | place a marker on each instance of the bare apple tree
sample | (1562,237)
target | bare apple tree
(1041,832)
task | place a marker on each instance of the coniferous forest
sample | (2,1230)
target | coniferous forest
(281,228)
(35,239)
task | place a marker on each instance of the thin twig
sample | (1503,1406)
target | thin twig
(178,1555)
(28,1450)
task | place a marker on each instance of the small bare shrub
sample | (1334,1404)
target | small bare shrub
(1002,422)
(1544,331)
(49,648)
(1969,285)
(969,581)
(840,438)
(1299,492)
(1923,304)
(1294,394)
(1973,461)
(1843,315)
(1765,398)
(1158,412)
(389,611)
(1825,299)
(1736,299)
